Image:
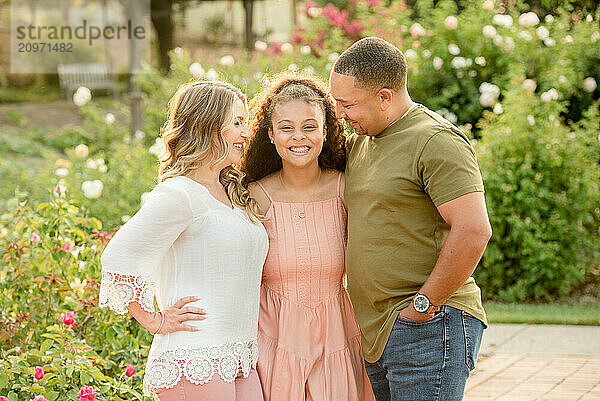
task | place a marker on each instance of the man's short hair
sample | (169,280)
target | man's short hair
(374,63)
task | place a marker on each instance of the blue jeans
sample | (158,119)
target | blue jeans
(428,361)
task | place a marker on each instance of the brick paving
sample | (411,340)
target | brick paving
(535,377)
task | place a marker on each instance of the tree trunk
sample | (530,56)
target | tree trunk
(162,19)
(249,11)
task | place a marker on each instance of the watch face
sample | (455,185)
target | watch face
(421,303)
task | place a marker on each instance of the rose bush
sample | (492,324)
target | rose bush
(54,338)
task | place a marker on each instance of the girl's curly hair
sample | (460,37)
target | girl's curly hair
(261,158)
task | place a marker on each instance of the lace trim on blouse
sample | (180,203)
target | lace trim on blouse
(119,290)
(199,365)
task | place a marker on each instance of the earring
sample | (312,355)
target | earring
(325,140)
(271,141)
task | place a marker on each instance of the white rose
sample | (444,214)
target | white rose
(451,117)
(458,62)
(453,49)
(309,69)
(529,85)
(293,67)
(487,99)
(91,164)
(488,5)
(589,84)
(196,70)
(492,89)
(426,53)
(306,50)
(542,32)
(480,61)
(549,42)
(549,95)
(568,39)
(549,18)
(81,96)
(410,54)
(92,189)
(498,40)
(531,120)
(82,150)
(498,108)
(260,46)
(332,57)
(417,30)
(227,60)
(314,12)
(595,37)
(125,218)
(139,134)
(212,75)
(109,118)
(489,31)
(437,63)
(525,35)
(287,48)
(562,79)
(61,172)
(158,147)
(451,22)
(502,20)
(529,19)
(509,44)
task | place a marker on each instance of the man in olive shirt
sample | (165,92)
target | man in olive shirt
(417,227)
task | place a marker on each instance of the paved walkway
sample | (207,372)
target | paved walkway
(537,362)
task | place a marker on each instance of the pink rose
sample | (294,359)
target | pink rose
(67,247)
(35,237)
(3,398)
(39,373)
(130,370)
(87,393)
(39,398)
(68,318)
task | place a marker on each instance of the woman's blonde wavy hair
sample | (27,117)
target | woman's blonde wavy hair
(196,116)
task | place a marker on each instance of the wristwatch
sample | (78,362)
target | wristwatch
(422,304)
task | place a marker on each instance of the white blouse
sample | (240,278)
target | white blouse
(184,242)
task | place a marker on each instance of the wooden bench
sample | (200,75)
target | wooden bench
(90,75)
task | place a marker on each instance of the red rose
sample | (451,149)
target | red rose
(87,393)
(39,373)
(130,370)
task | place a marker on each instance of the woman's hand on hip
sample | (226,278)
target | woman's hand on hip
(177,314)
(172,317)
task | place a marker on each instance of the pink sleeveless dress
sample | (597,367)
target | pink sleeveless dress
(308,340)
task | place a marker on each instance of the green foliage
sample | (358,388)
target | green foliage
(542,191)
(50,265)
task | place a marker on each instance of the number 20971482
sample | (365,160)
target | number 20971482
(40,47)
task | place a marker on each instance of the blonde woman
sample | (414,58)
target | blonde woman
(196,244)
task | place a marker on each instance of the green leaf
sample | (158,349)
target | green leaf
(46,345)
(85,377)
(12,396)
(96,374)
(3,380)
(52,395)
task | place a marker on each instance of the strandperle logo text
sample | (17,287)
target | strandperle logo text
(83,31)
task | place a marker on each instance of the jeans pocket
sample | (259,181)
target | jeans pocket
(473,331)
(410,322)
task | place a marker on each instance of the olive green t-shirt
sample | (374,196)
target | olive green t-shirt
(394,181)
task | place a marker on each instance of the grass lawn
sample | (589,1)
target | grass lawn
(559,313)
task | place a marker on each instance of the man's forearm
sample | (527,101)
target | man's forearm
(460,254)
